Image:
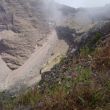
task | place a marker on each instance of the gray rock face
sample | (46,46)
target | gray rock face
(22,23)
(4,70)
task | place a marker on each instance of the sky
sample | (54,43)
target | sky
(84,3)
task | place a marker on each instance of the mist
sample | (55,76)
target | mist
(84,3)
(89,10)
(80,11)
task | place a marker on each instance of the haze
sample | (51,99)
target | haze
(84,3)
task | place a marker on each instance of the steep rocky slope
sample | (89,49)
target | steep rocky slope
(26,27)
(36,30)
